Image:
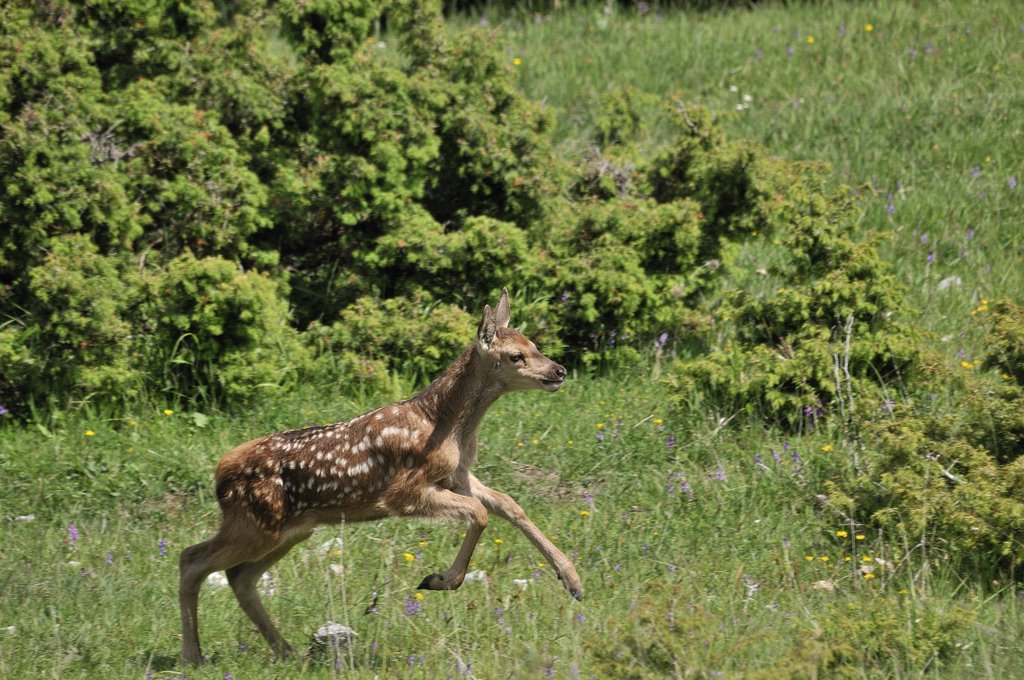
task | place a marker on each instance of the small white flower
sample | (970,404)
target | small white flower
(747,98)
(338,569)
(479,575)
(269,588)
(733,88)
(11,630)
(522,583)
(25,518)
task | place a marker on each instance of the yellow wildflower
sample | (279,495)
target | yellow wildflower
(810,40)
(584,513)
(842,534)
(517,61)
(869,27)
(418,596)
(826,448)
(869,576)
(409,557)
(809,558)
(657,421)
(498,541)
(89,433)
(860,537)
(168,412)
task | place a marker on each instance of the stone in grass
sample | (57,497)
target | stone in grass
(329,639)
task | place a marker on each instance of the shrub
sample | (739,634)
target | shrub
(829,329)
(74,336)
(414,335)
(219,332)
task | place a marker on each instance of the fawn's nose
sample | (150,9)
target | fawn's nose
(560,371)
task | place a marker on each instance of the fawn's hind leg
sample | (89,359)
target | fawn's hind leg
(243,578)
(223,551)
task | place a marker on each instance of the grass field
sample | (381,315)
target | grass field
(703,549)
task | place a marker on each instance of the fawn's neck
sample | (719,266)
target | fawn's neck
(457,401)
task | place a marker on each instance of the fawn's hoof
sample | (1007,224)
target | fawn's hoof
(438,582)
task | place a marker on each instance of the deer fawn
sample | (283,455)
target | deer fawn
(409,459)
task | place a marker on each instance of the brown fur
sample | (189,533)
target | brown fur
(409,459)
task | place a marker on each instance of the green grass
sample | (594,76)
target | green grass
(903,129)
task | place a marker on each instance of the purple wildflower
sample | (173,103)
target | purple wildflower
(931,257)
(228,676)
(758,460)
(924,238)
(375,646)
(890,208)
(580,617)
(720,474)
(790,51)
(776,456)
(672,568)
(758,54)
(889,406)
(73,533)
(970,233)
(1013,185)
(600,436)
(412,606)
(587,498)
(797,460)
(110,559)
(565,296)
(4,411)
(549,672)
(842,30)
(976,171)
(659,344)
(618,566)
(927,48)
(670,443)
(163,547)
(412,659)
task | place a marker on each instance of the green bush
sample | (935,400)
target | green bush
(74,337)
(829,329)
(218,332)
(265,178)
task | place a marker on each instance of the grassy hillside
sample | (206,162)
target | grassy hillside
(704,547)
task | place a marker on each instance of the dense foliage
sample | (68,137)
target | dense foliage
(212,200)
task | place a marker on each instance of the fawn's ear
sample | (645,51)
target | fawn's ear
(503,312)
(485,333)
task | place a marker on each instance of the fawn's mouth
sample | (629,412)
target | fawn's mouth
(552,385)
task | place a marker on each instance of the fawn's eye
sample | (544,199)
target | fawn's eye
(516,358)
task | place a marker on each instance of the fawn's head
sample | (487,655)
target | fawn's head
(519,363)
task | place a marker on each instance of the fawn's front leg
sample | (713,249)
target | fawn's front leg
(439,503)
(504,506)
